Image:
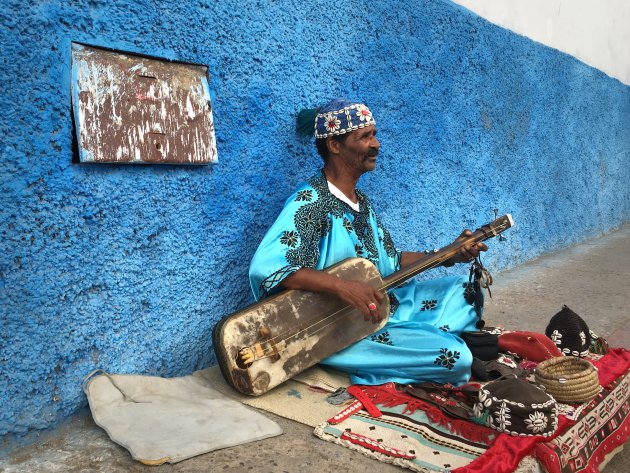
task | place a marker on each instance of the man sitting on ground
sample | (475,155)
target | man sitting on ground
(326,220)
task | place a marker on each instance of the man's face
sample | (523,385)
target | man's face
(358,151)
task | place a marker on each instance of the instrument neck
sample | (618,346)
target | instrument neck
(433,260)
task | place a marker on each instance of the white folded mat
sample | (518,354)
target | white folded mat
(163,420)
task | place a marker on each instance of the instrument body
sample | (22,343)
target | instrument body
(294,330)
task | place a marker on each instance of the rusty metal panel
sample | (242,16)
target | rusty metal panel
(132,109)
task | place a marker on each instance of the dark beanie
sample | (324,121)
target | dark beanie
(569,332)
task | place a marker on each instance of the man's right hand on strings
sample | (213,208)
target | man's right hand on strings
(358,294)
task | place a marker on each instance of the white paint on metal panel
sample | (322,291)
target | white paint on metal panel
(140,110)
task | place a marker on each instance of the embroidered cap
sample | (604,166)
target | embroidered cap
(530,346)
(341,116)
(569,331)
(517,407)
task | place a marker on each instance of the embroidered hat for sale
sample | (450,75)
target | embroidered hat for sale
(517,407)
(494,369)
(528,345)
(569,332)
(482,345)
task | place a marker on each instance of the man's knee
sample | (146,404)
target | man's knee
(466,359)
(460,373)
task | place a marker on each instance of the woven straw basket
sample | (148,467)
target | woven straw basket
(568,379)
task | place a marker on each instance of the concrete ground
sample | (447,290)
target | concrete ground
(592,279)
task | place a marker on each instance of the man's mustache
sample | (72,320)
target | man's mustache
(373,152)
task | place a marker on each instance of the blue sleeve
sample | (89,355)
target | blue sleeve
(290,244)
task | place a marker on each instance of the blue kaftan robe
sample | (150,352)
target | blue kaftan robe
(420,340)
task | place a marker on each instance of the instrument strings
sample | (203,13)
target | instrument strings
(274,340)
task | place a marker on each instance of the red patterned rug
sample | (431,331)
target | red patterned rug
(396,428)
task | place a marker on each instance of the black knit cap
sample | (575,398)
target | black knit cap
(569,332)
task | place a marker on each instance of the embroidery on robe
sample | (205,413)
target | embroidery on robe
(386,239)
(429,305)
(445,328)
(447,358)
(393,304)
(347,224)
(289,238)
(306,195)
(363,228)
(383,338)
(270,281)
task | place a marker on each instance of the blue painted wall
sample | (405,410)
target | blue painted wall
(127,268)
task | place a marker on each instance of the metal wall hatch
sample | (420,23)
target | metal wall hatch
(133,109)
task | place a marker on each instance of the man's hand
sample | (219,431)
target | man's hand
(362,296)
(468,253)
(358,294)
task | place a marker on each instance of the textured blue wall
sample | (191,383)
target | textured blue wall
(127,268)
